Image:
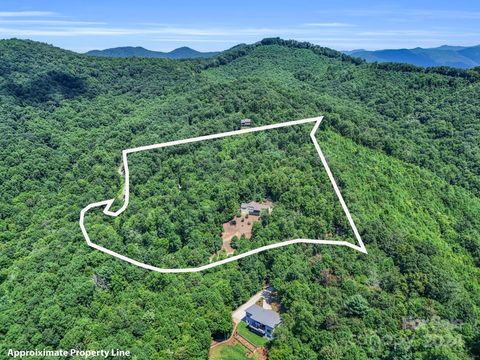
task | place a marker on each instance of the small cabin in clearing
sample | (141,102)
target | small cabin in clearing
(254,208)
(245,122)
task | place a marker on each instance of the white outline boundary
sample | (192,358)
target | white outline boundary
(108,203)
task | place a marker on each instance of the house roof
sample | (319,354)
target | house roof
(254,205)
(263,316)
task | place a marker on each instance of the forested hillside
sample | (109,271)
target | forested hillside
(402,142)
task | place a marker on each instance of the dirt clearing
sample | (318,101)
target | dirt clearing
(240,225)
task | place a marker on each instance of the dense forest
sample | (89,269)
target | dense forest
(403,143)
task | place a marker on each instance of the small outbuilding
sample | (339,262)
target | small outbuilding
(245,122)
(262,321)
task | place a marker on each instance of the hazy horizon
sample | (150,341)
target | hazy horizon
(216,26)
(224,49)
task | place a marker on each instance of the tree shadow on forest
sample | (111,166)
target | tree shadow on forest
(53,85)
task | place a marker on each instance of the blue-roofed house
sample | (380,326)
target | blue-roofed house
(261,321)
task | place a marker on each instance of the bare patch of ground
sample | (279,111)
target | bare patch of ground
(239,226)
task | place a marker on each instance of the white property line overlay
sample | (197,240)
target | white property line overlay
(108,203)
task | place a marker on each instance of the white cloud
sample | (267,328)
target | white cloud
(409,34)
(177,31)
(443,14)
(416,13)
(51,22)
(25,13)
(47,24)
(328,24)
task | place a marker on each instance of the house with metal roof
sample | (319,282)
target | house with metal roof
(261,321)
(254,208)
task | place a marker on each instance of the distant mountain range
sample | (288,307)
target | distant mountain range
(455,56)
(138,51)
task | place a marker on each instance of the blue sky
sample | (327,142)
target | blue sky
(217,25)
